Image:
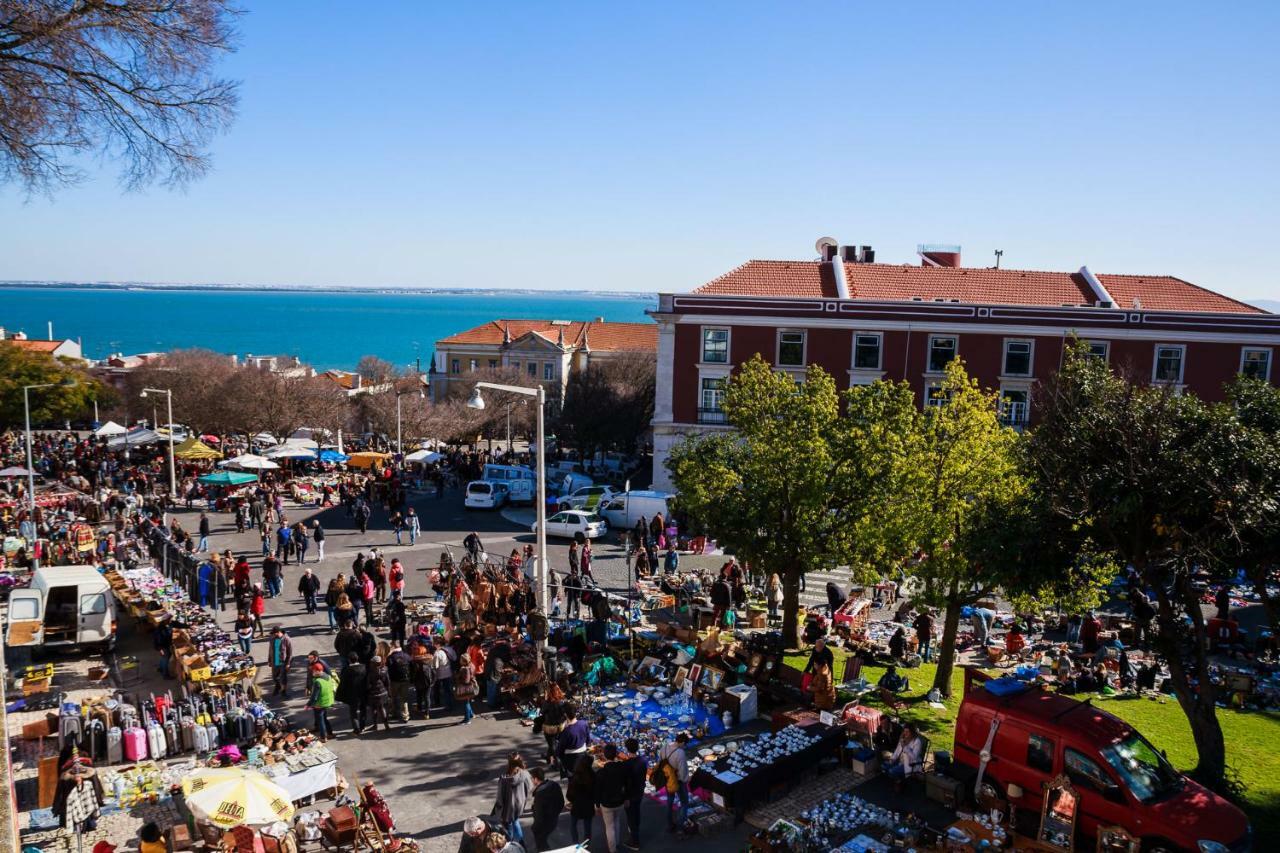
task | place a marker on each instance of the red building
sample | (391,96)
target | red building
(862,321)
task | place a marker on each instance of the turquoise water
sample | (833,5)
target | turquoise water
(323,329)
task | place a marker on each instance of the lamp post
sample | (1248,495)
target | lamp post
(173,477)
(540,567)
(31,465)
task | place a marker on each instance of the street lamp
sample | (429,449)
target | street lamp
(540,567)
(173,477)
(31,465)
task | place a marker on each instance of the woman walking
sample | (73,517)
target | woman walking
(514,789)
(378,693)
(465,687)
(582,800)
(244,632)
(773,595)
(337,589)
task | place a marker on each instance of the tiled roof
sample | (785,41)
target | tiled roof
(890,282)
(598,335)
(36,346)
(341,378)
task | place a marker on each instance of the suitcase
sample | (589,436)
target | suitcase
(135,744)
(155,741)
(115,745)
(199,738)
(69,730)
(189,735)
(172,744)
(95,740)
(214,739)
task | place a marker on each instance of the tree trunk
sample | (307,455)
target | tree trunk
(1197,705)
(791,607)
(947,650)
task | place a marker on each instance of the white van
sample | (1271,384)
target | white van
(483,494)
(64,606)
(522,483)
(624,510)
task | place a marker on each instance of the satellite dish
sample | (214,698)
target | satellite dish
(824,242)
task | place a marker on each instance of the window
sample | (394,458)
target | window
(791,349)
(1014,408)
(475,362)
(516,365)
(493,364)
(1168,366)
(1099,349)
(1040,753)
(934,395)
(533,369)
(1145,772)
(547,370)
(455,366)
(1256,364)
(941,351)
(92,605)
(24,609)
(715,346)
(710,402)
(866,351)
(1017,358)
(1084,771)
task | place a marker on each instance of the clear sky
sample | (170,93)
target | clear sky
(653,146)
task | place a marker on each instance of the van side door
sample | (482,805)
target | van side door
(1102,800)
(95,618)
(26,618)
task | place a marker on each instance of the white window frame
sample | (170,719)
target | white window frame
(718,398)
(532,368)
(928,355)
(1270,353)
(473,365)
(1155,364)
(930,399)
(1031,357)
(804,349)
(1106,350)
(548,371)
(702,343)
(455,365)
(1004,401)
(493,364)
(879,365)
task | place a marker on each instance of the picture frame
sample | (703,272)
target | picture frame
(681,674)
(1058,815)
(711,678)
(695,674)
(754,666)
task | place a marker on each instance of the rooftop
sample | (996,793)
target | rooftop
(598,334)
(35,346)
(905,282)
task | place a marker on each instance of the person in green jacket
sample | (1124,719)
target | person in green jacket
(321,700)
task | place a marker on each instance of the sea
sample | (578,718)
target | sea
(326,329)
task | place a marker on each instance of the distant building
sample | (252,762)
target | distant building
(548,351)
(352,384)
(58,348)
(116,367)
(862,321)
(285,365)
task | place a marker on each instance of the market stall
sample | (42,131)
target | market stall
(745,771)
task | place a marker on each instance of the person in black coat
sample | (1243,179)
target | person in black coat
(308,586)
(548,802)
(638,770)
(351,690)
(475,834)
(366,646)
(835,597)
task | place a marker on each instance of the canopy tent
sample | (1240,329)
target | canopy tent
(108,429)
(424,456)
(289,451)
(332,456)
(15,471)
(229,478)
(193,448)
(134,438)
(367,458)
(250,461)
(229,797)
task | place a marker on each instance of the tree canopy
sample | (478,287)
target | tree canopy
(20,367)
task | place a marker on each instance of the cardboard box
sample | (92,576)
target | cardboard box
(866,767)
(943,789)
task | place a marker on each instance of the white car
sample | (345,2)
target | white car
(484,494)
(593,497)
(571,522)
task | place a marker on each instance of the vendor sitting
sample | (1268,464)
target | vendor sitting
(892,681)
(821,655)
(898,643)
(1014,642)
(907,757)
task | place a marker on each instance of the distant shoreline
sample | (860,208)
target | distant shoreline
(295,288)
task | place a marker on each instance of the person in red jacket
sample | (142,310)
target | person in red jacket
(257,607)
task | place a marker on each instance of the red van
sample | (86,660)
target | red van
(1123,780)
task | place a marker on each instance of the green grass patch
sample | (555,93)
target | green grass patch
(1252,737)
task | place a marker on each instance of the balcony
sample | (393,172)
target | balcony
(712,416)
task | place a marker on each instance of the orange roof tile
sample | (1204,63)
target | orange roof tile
(36,346)
(899,283)
(601,336)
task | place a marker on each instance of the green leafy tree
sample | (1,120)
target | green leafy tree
(1256,405)
(49,406)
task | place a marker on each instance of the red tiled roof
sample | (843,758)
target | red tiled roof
(36,346)
(900,283)
(598,335)
(341,378)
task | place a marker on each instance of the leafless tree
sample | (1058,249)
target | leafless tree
(375,371)
(196,377)
(126,79)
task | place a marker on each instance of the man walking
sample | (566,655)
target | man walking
(317,536)
(548,802)
(612,789)
(203,547)
(473,546)
(637,772)
(397,617)
(271,575)
(362,516)
(924,634)
(280,654)
(283,535)
(398,671)
(414,524)
(677,779)
(442,671)
(309,585)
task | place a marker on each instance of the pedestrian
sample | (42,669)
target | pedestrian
(475,833)
(397,525)
(442,673)
(671,564)
(574,739)
(345,612)
(379,576)
(582,803)
(420,672)
(575,559)
(475,550)
(317,535)
(465,687)
(395,577)
(414,524)
(514,790)
(337,587)
(352,690)
(548,802)
(368,592)
(377,692)
(586,561)
(355,594)
(271,574)
(283,543)
(677,772)
(265,535)
(244,632)
(203,547)
(309,585)
(612,791)
(637,772)
(572,592)
(773,595)
(399,676)
(280,655)
(924,634)
(258,606)
(301,541)
(362,516)
(397,618)
(321,700)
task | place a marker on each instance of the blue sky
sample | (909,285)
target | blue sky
(653,146)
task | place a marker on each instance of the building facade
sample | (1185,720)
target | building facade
(548,351)
(862,321)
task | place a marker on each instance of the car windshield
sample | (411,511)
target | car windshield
(1145,772)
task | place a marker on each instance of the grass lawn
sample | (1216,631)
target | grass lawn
(1253,737)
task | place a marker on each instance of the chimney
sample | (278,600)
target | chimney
(850,254)
(829,252)
(938,255)
(50,330)
(866,256)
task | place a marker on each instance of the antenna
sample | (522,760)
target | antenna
(999,252)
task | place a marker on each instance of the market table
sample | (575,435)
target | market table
(306,782)
(740,793)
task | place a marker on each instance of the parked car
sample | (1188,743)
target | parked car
(1034,735)
(590,498)
(573,522)
(484,494)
